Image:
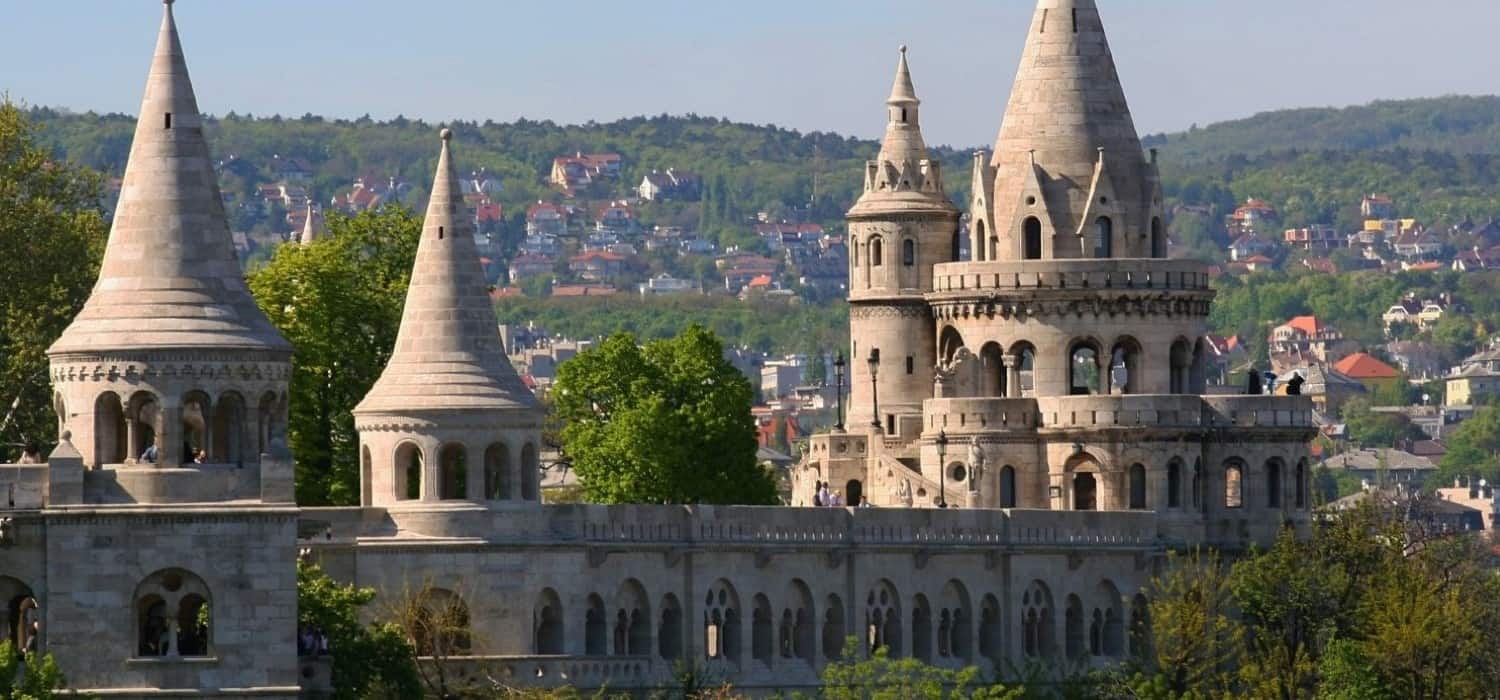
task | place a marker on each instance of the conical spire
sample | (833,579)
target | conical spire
(448,354)
(312,225)
(1066,108)
(903,131)
(170,278)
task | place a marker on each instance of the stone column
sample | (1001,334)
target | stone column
(169,434)
(1012,376)
(432,467)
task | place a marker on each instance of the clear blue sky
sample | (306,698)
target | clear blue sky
(807,64)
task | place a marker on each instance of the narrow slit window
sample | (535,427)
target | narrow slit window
(168,120)
(1044,22)
(440,233)
(1075,21)
(911,364)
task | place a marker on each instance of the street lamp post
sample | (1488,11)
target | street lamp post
(874,362)
(838,373)
(942,450)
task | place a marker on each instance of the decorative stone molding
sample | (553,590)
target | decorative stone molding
(863,312)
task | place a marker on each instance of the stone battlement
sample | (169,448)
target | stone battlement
(1000,415)
(1032,275)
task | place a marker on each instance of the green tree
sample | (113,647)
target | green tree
(28,678)
(339,302)
(1371,429)
(880,677)
(1288,598)
(666,423)
(52,237)
(1196,646)
(369,661)
(1473,448)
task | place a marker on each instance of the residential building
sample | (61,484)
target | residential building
(1475,379)
(1315,237)
(1383,465)
(1308,336)
(664,284)
(1377,206)
(530,265)
(616,217)
(1369,371)
(583,169)
(546,218)
(1249,245)
(678,185)
(1253,216)
(597,266)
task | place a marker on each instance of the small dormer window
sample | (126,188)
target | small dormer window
(168,120)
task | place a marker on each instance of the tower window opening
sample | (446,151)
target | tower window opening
(1075,21)
(875,253)
(1032,234)
(168,120)
(903,115)
(1104,235)
(1044,22)
(440,233)
(911,364)
(908,252)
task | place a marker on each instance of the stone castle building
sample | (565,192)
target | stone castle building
(1049,391)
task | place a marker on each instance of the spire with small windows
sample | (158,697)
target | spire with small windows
(1067,123)
(170,278)
(903,174)
(448,354)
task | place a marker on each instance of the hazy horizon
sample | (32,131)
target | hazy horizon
(1183,62)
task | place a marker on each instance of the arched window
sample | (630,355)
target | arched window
(978,252)
(110,430)
(1073,635)
(721,622)
(1234,484)
(908,252)
(761,644)
(921,629)
(1273,483)
(1125,374)
(875,253)
(949,343)
(1158,239)
(954,628)
(833,628)
(1112,621)
(144,422)
(366,475)
(992,362)
(1031,231)
(497,472)
(1037,639)
(1083,369)
(669,634)
(1181,361)
(595,628)
(1085,492)
(1174,484)
(453,464)
(1104,237)
(197,417)
(883,620)
(1025,356)
(1137,487)
(229,429)
(990,646)
(174,615)
(632,620)
(799,615)
(1007,486)
(22,615)
(547,624)
(408,481)
(530,473)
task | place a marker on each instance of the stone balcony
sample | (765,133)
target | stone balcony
(968,278)
(966,416)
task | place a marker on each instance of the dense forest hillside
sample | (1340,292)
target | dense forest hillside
(1454,124)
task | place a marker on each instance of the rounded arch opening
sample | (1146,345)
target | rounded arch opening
(453,472)
(407,480)
(1104,237)
(1031,234)
(497,479)
(1083,368)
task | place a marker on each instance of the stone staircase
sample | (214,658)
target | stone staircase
(890,472)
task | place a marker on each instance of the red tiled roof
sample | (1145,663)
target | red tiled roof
(1364,366)
(1306,324)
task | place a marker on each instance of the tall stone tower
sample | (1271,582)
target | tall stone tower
(170,348)
(448,424)
(901,226)
(1068,177)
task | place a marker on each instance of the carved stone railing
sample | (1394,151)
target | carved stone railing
(1133,273)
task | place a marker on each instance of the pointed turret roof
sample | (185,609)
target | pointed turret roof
(1067,114)
(312,225)
(448,354)
(170,278)
(898,178)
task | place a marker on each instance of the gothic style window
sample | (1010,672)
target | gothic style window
(1174,484)
(1073,634)
(875,253)
(833,628)
(497,472)
(547,624)
(1234,484)
(1273,483)
(1007,486)
(408,481)
(721,622)
(173,615)
(908,252)
(1137,487)
(1158,239)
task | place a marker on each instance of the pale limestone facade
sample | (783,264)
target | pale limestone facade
(1066,485)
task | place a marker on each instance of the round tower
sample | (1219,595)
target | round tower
(170,362)
(900,227)
(449,422)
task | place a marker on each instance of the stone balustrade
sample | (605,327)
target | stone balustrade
(1123,410)
(1259,411)
(1029,275)
(964,416)
(563,671)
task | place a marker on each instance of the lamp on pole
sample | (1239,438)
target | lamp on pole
(942,450)
(874,362)
(838,373)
